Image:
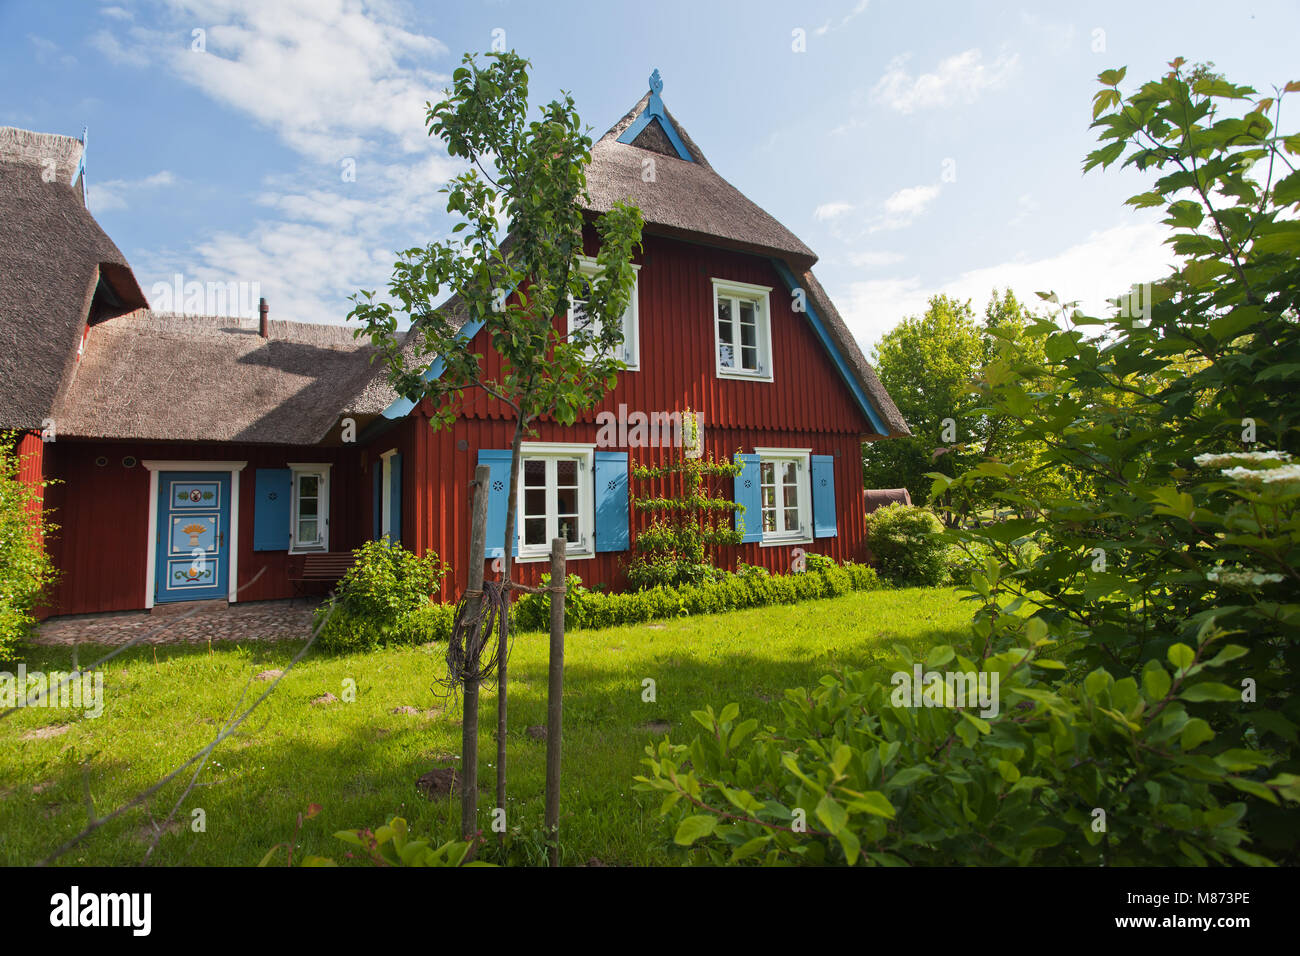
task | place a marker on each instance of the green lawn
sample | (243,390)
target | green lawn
(360,760)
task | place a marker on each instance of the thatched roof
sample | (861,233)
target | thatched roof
(687,200)
(172,377)
(54,261)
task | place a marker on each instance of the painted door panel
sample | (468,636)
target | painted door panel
(193,536)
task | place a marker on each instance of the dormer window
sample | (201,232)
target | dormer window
(742,330)
(579,319)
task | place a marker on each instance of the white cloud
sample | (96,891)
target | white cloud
(117,13)
(1026,207)
(337,82)
(901,208)
(47,52)
(831,210)
(1103,266)
(858,9)
(871,259)
(109,45)
(959,79)
(114,193)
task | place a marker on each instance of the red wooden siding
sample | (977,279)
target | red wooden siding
(446,530)
(678,366)
(103,517)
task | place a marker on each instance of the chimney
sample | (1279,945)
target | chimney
(263,326)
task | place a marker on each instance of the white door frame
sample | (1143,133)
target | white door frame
(157,465)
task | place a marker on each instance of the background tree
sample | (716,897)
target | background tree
(927,363)
(533,174)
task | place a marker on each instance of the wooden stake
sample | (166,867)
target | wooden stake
(469,725)
(554,699)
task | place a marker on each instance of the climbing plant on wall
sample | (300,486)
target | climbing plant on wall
(689,515)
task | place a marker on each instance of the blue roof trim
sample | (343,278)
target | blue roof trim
(828,343)
(654,109)
(404,406)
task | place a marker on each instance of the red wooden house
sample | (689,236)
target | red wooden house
(202,458)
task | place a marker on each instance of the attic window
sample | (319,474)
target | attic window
(742,330)
(631,332)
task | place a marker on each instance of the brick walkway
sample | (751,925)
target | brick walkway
(195,623)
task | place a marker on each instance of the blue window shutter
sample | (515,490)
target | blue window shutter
(273,495)
(395,498)
(611,501)
(378,469)
(498,499)
(823,496)
(747,494)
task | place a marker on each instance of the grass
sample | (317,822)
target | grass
(359,760)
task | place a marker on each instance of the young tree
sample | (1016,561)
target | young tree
(532,173)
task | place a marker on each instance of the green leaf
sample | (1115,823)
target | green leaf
(1181,656)
(831,814)
(1155,681)
(875,803)
(695,827)
(1195,733)
(1209,690)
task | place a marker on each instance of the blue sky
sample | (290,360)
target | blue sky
(917,148)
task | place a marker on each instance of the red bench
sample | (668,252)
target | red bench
(326,567)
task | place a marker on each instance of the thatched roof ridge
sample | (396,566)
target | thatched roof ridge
(686,200)
(37,149)
(172,377)
(54,258)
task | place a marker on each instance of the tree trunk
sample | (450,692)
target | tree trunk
(507,576)
(554,699)
(469,724)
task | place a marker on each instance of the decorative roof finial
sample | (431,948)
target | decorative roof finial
(656,106)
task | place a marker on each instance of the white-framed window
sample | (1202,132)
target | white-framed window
(631,318)
(742,330)
(785,495)
(309,509)
(386,522)
(555,499)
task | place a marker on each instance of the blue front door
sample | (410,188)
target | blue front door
(193,557)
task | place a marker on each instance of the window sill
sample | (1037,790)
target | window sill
(782,542)
(533,558)
(323,549)
(744,376)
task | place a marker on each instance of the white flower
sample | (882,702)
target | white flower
(1240,457)
(1270,476)
(1246,578)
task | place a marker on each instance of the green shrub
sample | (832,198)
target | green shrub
(26,572)
(852,777)
(428,624)
(750,587)
(908,545)
(383,599)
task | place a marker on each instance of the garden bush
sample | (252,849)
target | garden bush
(26,572)
(908,545)
(729,592)
(382,599)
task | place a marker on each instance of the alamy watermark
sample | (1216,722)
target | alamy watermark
(231,299)
(56,689)
(650,430)
(958,689)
